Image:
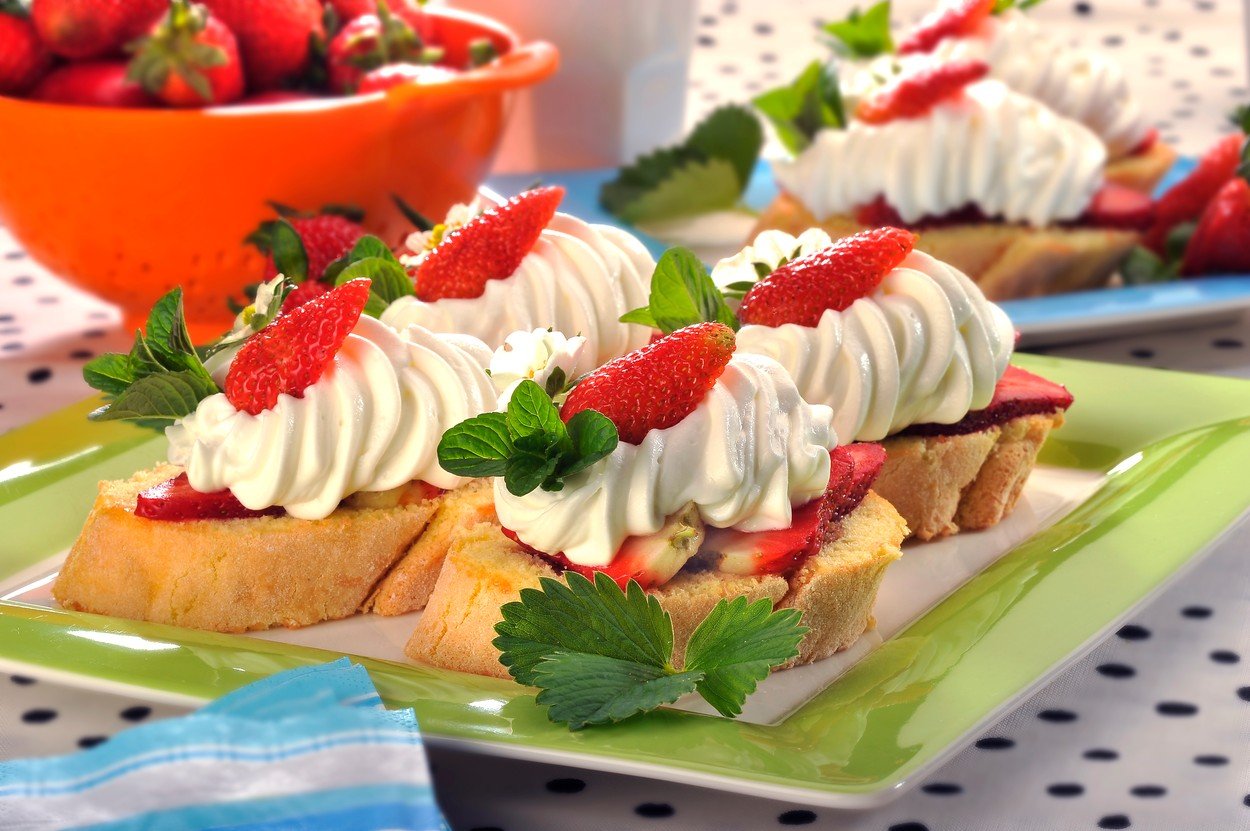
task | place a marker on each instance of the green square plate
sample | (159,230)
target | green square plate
(1174,450)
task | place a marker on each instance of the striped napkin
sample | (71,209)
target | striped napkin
(308,749)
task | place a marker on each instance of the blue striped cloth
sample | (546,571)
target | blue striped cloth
(307,749)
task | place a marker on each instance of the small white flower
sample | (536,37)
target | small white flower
(770,249)
(260,313)
(420,243)
(536,356)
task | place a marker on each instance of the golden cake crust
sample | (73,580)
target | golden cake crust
(835,590)
(1142,172)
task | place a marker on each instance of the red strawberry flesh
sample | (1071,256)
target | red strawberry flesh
(918,92)
(177,501)
(1221,241)
(950,20)
(1019,393)
(1186,200)
(326,237)
(1117,206)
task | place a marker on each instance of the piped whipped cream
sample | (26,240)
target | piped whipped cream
(925,347)
(578,279)
(371,422)
(1077,83)
(749,452)
(1002,151)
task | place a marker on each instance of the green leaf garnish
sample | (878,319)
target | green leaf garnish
(811,103)
(707,172)
(161,397)
(289,256)
(862,34)
(682,294)
(110,373)
(1142,266)
(370,258)
(529,445)
(600,654)
(481,51)
(1001,6)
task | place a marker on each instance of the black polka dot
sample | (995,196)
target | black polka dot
(1227,343)
(1116,670)
(82,354)
(1142,354)
(136,713)
(768,57)
(1083,8)
(1114,821)
(48,300)
(1245,800)
(942,789)
(1133,632)
(1066,789)
(728,69)
(12,346)
(909,826)
(654,810)
(999,742)
(1176,708)
(707,20)
(1211,760)
(705,40)
(729,8)
(38,376)
(1057,716)
(1101,754)
(1196,612)
(1149,791)
(1224,656)
(94,333)
(1221,72)
(566,786)
(91,741)
(1172,36)
(22,680)
(11,330)
(14,255)
(1113,41)
(1199,51)
(24,280)
(796,818)
(40,716)
(6,318)
(1204,5)
(763,28)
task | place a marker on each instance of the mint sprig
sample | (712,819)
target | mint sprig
(682,294)
(600,655)
(862,35)
(162,377)
(371,258)
(529,445)
(709,171)
(800,110)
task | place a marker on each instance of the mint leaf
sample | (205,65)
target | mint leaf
(531,411)
(581,690)
(533,461)
(477,447)
(697,186)
(736,646)
(578,616)
(1142,267)
(732,133)
(811,103)
(862,34)
(682,294)
(389,280)
(162,397)
(370,246)
(287,249)
(593,437)
(110,373)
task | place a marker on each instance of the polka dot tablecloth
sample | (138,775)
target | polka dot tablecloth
(1150,731)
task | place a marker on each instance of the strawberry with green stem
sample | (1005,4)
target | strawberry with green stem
(371,41)
(92,84)
(275,37)
(23,57)
(189,59)
(86,29)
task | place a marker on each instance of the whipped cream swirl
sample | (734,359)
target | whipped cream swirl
(750,451)
(925,348)
(1080,84)
(578,279)
(370,423)
(1004,152)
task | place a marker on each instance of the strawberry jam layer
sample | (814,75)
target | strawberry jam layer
(1019,393)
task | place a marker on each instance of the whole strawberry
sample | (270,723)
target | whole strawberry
(368,42)
(275,37)
(831,278)
(1221,241)
(1185,201)
(915,93)
(658,385)
(81,29)
(189,59)
(488,247)
(290,354)
(325,238)
(92,84)
(23,58)
(953,18)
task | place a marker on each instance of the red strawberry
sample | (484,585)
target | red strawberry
(832,278)
(326,237)
(1146,144)
(395,74)
(1185,200)
(275,37)
(917,92)
(658,385)
(950,20)
(877,214)
(177,501)
(190,59)
(81,29)
(23,58)
(488,247)
(866,460)
(1019,393)
(368,42)
(351,9)
(93,84)
(290,354)
(301,294)
(1221,242)
(1117,206)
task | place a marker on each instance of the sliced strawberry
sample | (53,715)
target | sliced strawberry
(1019,393)
(177,501)
(1221,242)
(301,294)
(832,278)
(658,385)
(949,20)
(879,213)
(866,460)
(1185,200)
(488,247)
(1117,206)
(919,91)
(290,354)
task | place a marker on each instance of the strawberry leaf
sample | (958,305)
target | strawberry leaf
(862,34)
(813,102)
(682,294)
(580,690)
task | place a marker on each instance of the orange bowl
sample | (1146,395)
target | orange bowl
(128,203)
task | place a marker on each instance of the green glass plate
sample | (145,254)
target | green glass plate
(1174,448)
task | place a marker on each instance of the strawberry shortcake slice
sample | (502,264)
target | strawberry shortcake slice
(695,470)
